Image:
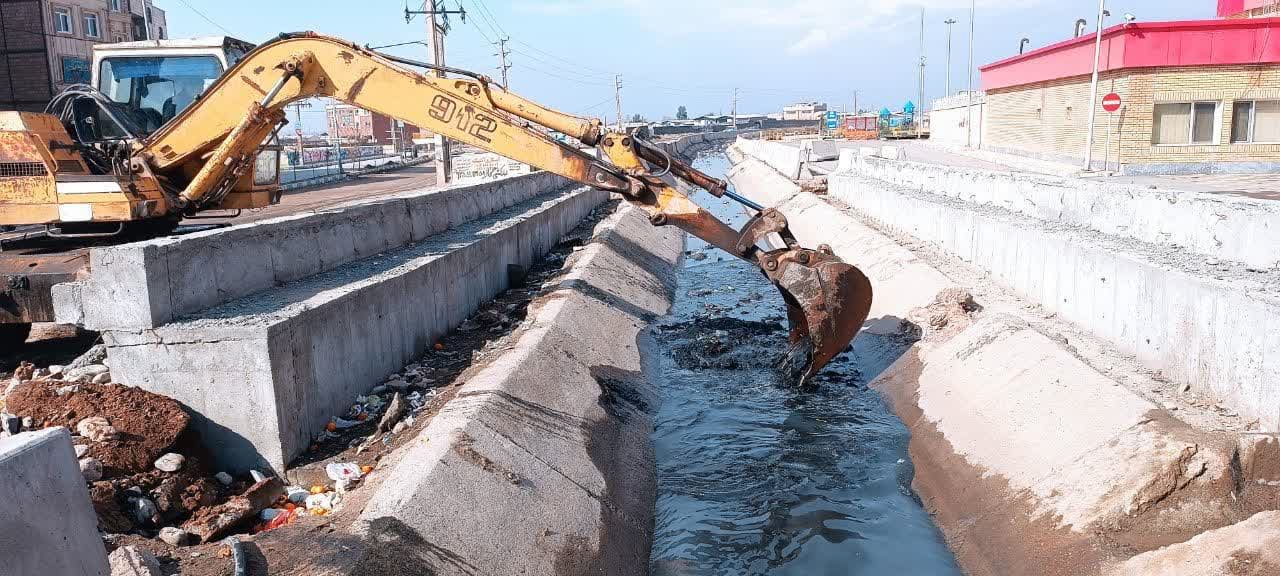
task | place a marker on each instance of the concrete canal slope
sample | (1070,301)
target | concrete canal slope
(542,464)
(1038,447)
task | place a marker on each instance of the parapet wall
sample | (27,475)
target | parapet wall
(1212,328)
(1215,225)
(147,284)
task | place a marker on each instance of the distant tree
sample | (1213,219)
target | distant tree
(637,118)
(682,113)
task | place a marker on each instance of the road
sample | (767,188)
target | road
(289,174)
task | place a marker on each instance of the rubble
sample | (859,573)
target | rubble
(133,561)
(94,355)
(211,523)
(85,373)
(174,536)
(91,469)
(10,424)
(170,462)
(97,429)
(395,411)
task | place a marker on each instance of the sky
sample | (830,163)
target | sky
(669,53)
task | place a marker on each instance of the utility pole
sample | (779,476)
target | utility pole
(968,124)
(919,119)
(146,17)
(297,111)
(735,109)
(435,35)
(617,96)
(855,102)
(502,59)
(1093,86)
(948,22)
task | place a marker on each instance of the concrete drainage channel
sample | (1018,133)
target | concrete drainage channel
(488,409)
(1047,436)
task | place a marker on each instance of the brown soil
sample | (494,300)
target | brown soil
(149,424)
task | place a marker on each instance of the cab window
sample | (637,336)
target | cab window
(159,88)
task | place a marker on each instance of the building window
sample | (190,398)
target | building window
(62,20)
(1256,121)
(160,32)
(1184,123)
(91,25)
(115,6)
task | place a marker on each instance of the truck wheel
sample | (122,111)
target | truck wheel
(13,335)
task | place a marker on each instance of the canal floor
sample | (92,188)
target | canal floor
(755,477)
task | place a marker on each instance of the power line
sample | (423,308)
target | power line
(206,18)
(483,11)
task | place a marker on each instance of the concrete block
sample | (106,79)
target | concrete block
(47,524)
(264,373)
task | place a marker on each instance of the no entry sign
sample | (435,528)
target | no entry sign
(1111,102)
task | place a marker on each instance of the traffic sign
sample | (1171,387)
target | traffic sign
(833,119)
(1111,102)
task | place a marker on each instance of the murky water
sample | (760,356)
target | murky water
(758,478)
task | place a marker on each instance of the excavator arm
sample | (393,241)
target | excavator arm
(210,145)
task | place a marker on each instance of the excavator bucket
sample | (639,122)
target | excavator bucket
(827,299)
(827,303)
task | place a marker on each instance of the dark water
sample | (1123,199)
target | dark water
(758,478)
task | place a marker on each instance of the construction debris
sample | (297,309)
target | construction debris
(133,561)
(211,523)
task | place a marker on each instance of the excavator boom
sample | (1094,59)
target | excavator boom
(200,159)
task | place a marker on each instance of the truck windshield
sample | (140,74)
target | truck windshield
(159,88)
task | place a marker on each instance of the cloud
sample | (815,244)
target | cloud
(815,40)
(804,26)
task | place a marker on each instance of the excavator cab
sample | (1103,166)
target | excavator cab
(158,79)
(70,169)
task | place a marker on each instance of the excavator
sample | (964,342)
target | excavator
(94,165)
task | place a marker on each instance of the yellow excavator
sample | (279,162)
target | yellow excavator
(95,165)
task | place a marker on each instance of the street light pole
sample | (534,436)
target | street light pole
(919,115)
(1093,86)
(968,124)
(948,22)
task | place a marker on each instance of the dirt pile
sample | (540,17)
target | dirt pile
(148,425)
(121,433)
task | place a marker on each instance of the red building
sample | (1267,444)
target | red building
(1199,96)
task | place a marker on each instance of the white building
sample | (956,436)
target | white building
(804,111)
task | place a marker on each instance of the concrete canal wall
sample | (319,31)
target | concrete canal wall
(1037,448)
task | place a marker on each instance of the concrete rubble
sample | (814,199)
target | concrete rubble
(1097,458)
